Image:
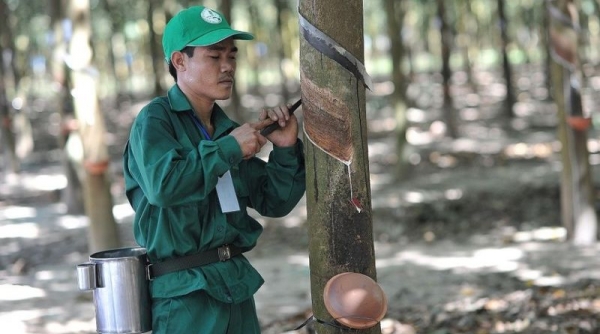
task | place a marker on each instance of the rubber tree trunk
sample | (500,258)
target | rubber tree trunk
(577,197)
(466,28)
(115,24)
(338,187)
(281,7)
(72,195)
(509,102)
(158,62)
(545,40)
(226,7)
(254,56)
(102,232)
(8,141)
(395,13)
(446,40)
(8,44)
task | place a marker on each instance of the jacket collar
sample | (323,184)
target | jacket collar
(180,103)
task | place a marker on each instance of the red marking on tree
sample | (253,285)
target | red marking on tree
(356,204)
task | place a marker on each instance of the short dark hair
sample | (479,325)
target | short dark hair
(189,51)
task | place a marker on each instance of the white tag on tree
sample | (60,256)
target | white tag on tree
(226,194)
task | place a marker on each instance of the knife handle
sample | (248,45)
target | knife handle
(272,127)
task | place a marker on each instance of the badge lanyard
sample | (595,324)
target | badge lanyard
(225,189)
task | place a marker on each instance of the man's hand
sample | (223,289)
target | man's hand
(287,133)
(249,138)
(251,141)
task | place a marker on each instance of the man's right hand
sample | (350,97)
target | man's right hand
(249,138)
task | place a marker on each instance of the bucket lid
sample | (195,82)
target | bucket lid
(355,300)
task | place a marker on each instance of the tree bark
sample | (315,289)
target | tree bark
(103,233)
(235,101)
(281,6)
(6,117)
(509,102)
(577,193)
(338,190)
(254,58)
(395,12)
(446,36)
(72,195)
(158,62)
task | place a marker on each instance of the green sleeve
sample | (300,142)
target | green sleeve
(168,166)
(277,186)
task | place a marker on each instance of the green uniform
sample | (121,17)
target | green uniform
(171,172)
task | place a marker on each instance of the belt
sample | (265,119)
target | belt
(220,254)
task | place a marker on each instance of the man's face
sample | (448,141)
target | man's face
(209,74)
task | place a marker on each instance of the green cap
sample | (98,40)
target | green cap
(197,26)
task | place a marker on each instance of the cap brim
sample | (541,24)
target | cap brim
(219,35)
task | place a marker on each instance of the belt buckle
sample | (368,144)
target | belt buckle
(224,253)
(149,272)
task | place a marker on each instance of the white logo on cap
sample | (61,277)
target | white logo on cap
(211,16)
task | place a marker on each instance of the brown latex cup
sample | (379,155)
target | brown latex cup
(355,300)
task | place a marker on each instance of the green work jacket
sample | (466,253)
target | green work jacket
(170,174)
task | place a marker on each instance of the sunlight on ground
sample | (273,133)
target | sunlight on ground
(16,322)
(19,226)
(47,182)
(414,197)
(73,326)
(293,221)
(42,182)
(496,259)
(50,305)
(17,212)
(299,259)
(23,230)
(20,292)
(492,260)
(31,230)
(502,259)
(123,211)
(72,222)
(379,180)
(542,234)
(537,150)
(385,124)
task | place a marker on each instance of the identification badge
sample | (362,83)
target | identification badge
(226,193)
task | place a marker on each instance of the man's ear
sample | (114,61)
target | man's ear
(177,60)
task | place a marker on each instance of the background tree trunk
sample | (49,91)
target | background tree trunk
(467,28)
(395,12)
(103,233)
(446,42)
(338,186)
(158,62)
(577,197)
(509,101)
(8,142)
(72,195)
(235,102)
(281,7)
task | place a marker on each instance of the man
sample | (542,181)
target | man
(190,174)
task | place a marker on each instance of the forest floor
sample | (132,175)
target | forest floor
(471,242)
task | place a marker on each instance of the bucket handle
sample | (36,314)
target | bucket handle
(86,276)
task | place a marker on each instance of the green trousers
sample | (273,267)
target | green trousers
(199,313)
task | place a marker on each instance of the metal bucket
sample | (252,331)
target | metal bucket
(121,294)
